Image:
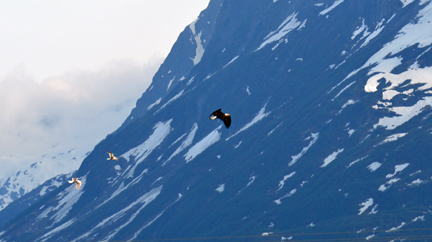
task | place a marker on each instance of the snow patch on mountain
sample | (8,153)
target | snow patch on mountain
(406,2)
(295,158)
(139,153)
(248,91)
(365,205)
(152,221)
(349,102)
(398,168)
(333,6)
(144,200)
(171,100)
(251,180)
(154,104)
(185,144)
(66,200)
(279,201)
(378,28)
(396,228)
(288,25)
(57,229)
(419,218)
(199,52)
(220,188)
(170,83)
(331,157)
(415,75)
(231,61)
(374,210)
(392,138)
(258,117)
(122,187)
(360,29)
(282,182)
(343,90)
(271,132)
(410,35)
(374,166)
(416,182)
(403,114)
(352,163)
(203,144)
(384,187)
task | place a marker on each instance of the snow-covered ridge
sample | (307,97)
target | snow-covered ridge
(36,170)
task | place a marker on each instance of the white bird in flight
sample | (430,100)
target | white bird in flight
(77,182)
(111,156)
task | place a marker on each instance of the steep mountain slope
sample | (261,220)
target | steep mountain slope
(185,54)
(331,132)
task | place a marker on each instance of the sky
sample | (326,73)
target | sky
(71,71)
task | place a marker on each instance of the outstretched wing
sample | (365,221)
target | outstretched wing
(227,120)
(111,155)
(216,114)
(78,184)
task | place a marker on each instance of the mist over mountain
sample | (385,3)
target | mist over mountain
(330,135)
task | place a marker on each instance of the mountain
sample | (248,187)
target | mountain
(26,199)
(330,135)
(33,172)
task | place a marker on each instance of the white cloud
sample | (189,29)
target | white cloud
(52,37)
(55,84)
(82,105)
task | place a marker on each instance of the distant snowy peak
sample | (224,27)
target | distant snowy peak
(32,175)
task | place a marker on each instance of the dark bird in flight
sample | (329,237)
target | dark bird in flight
(111,156)
(77,182)
(225,117)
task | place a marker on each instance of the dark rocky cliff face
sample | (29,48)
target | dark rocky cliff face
(330,135)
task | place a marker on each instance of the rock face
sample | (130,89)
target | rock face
(330,135)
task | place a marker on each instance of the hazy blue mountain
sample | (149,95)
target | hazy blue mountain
(330,137)
(39,173)
(27,199)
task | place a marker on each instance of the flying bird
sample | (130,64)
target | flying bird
(225,117)
(77,182)
(111,156)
